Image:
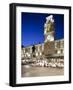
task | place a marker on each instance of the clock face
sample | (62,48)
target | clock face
(50,38)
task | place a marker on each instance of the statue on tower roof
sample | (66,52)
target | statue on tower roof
(50,18)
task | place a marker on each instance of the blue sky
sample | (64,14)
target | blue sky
(32,27)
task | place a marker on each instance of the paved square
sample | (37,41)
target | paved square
(29,71)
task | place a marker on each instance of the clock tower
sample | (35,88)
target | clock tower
(49,36)
(49,29)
